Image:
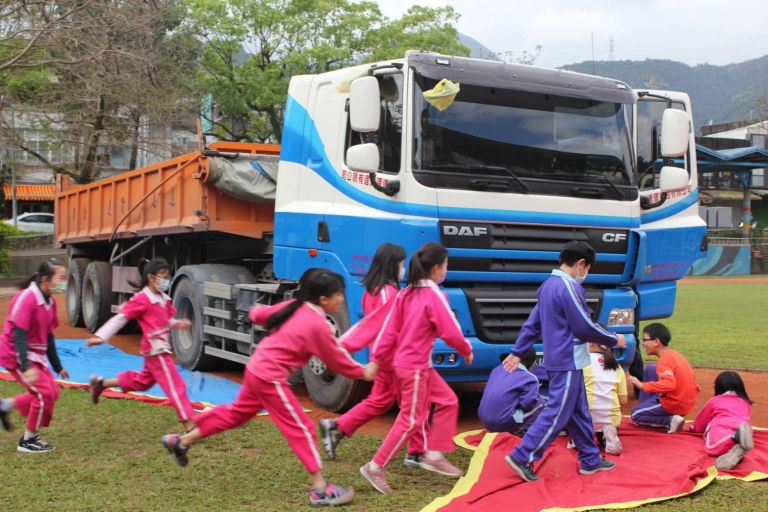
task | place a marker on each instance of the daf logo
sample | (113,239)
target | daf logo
(614,237)
(465,230)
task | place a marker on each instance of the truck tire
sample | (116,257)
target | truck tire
(188,343)
(75,277)
(328,389)
(96,299)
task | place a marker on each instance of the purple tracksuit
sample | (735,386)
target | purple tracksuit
(510,401)
(562,320)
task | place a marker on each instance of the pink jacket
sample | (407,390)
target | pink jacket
(420,315)
(373,320)
(28,311)
(305,334)
(728,410)
(154,313)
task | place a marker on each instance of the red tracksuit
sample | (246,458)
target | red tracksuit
(420,315)
(384,392)
(31,312)
(155,316)
(265,385)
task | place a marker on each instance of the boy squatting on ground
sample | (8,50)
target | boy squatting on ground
(669,390)
(511,401)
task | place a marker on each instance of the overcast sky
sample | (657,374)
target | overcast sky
(691,31)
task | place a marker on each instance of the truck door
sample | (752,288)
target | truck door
(671,233)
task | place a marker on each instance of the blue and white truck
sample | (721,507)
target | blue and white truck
(520,161)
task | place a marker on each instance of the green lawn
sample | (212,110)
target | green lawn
(721,325)
(109,458)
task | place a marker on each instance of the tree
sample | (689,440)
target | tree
(118,68)
(253,47)
(522,58)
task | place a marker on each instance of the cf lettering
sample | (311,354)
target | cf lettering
(614,237)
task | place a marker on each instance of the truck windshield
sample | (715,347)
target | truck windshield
(524,142)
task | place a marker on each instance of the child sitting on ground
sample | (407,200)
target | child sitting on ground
(606,392)
(724,421)
(511,401)
(669,390)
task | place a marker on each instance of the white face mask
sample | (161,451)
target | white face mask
(401,274)
(440,279)
(61,287)
(163,285)
(581,278)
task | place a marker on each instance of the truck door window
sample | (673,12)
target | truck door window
(649,113)
(389,135)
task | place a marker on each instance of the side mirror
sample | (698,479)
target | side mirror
(363,157)
(675,128)
(364,105)
(672,179)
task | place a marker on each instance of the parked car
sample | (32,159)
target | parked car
(34,222)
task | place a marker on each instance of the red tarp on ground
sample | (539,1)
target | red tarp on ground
(654,466)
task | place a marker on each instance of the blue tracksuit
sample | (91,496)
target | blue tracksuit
(561,319)
(510,401)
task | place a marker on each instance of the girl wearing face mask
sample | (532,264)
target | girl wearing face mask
(382,283)
(152,309)
(26,348)
(420,315)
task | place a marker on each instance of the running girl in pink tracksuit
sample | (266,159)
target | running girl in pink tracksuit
(420,315)
(152,308)
(298,329)
(382,283)
(724,421)
(26,348)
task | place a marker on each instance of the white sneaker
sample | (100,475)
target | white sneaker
(612,441)
(731,458)
(676,424)
(743,436)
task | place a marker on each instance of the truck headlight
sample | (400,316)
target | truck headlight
(621,316)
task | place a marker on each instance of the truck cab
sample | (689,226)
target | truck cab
(521,161)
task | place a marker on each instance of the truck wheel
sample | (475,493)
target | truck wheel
(328,389)
(188,343)
(96,300)
(75,277)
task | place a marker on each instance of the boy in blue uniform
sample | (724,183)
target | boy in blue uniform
(511,401)
(561,319)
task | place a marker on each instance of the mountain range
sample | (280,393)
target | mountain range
(719,94)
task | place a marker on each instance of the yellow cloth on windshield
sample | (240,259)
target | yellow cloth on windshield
(442,95)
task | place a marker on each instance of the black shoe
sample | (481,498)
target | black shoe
(5,419)
(525,471)
(412,460)
(331,437)
(34,445)
(605,465)
(173,445)
(97,388)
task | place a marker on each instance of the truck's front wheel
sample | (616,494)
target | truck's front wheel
(328,389)
(188,343)
(96,297)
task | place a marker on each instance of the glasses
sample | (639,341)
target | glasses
(648,339)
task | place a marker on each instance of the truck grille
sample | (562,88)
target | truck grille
(498,312)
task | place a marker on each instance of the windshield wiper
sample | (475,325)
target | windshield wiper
(605,179)
(514,176)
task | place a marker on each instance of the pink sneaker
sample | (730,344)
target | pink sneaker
(440,465)
(376,478)
(332,495)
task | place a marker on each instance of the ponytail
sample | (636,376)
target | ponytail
(425,259)
(609,360)
(147,268)
(46,269)
(313,284)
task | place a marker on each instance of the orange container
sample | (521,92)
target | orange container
(167,198)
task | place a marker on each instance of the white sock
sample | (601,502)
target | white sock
(6,404)
(29,435)
(374,466)
(434,454)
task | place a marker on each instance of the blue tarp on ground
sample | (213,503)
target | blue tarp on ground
(105,360)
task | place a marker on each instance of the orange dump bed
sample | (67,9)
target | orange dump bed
(167,198)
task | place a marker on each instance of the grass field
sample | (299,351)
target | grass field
(721,325)
(109,457)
